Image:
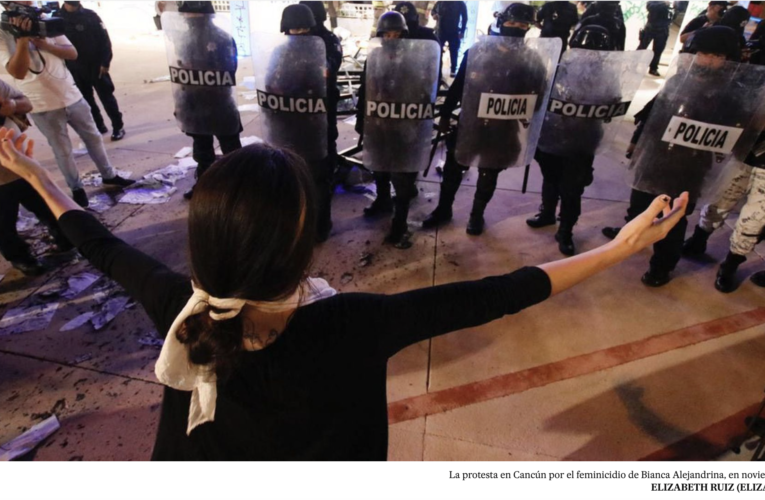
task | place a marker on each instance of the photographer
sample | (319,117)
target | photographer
(15,191)
(38,68)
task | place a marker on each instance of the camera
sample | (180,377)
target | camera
(41,28)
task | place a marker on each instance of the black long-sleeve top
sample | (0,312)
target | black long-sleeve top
(452,17)
(87,33)
(319,391)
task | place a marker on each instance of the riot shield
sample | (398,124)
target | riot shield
(290,79)
(704,120)
(592,92)
(401,84)
(504,100)
(203,63)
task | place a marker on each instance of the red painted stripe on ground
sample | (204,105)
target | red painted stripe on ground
(539,376)
(709,443)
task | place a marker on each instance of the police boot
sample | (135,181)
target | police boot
(656,278)
(399,234)
(201,169)
(696,244)
(443,212)
(726,275)
(565,239)
(476,222)
(542,219)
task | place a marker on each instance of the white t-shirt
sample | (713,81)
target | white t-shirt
(53,88)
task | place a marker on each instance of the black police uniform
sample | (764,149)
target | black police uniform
(404,182)
(557,19)
(94,49)
(529,80)
(202,102)
(673,165)
(656,30)
(452,23)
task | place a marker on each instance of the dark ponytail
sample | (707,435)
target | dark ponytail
(251,236)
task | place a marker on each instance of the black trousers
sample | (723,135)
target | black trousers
(405,184)
(659,39)
(16,193)
(87,80)
(204,150)
(452,178)
(565,179)
(454,47)
(667,252)
(323,172)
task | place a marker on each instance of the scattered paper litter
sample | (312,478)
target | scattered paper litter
(187,163)
(109,310)
(248,82)
(350,120)
(26,223)
(158,79)
(77,322)
(26,442)
(27,318)
(246,141)
(184,152)
(248,108)
(140,196)
(158,186)
(249,96)
(78,284)
(100,203)
(151,341)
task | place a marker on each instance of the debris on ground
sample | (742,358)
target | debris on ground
(156,187)
(100,203)
(26,223)
(351,120)
(71,287)
(248,82)
(151,340)
(81,359)
(109,301)
(246,141)
(346,278)
(184,152)
(366,259)
(158,79)
(248,108)
(249,96)
(27,318)
(28,441)
(77,322)
(94,179)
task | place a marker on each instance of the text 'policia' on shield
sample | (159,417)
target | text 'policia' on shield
(507,107)
(202,78)
(703,136)
(401,110)
(596,111)
(308,105)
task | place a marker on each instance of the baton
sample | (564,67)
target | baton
(432,153)
(525,178)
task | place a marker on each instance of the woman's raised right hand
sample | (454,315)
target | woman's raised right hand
(16,153)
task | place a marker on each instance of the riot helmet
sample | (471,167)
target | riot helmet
(318,11)
(195,7)
(516,13)
(392,22)
(297,17)
(718,40)
(592,37)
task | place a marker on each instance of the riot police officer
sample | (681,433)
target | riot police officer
(609,15)
(298,20)
(395,148)
(566,177)
(697,92)
(529,76)
(204,108)
(556,20)
(383,203)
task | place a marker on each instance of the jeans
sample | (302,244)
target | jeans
(12,247)
(53,125)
